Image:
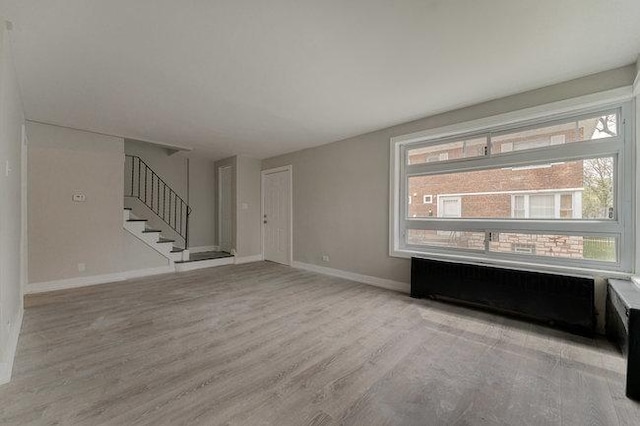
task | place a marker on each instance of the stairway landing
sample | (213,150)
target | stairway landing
(205,259)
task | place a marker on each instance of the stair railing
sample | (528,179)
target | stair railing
(145,185)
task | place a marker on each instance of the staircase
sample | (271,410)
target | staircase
(155,199)
(153,237)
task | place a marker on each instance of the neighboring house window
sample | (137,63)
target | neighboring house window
(449,207)
(536,141)
(566,206)
(541,206)
(443,156)
(524,248)
(427,199)
(554,191)
(545,206)
(519,209)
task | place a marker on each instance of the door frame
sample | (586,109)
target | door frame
(220,193)
(289,169)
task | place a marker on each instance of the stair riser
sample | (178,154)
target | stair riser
(163,248)
(136,227)
(175,256)
(152,238)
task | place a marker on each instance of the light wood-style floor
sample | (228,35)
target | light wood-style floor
(264,344)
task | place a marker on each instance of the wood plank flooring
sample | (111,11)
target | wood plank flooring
(264,344)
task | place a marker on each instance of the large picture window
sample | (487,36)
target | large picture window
(555,191)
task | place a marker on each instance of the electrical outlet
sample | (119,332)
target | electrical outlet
(79,197)
(325,258)
(81,267)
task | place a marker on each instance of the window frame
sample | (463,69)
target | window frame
(620,147)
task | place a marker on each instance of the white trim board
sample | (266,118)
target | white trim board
(6,364)
(365,279)
(202,249)
(248,259)
(64,284)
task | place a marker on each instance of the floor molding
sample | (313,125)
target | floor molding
(202,249)
(365,279)
(6,366)
(45,286)
(249,259)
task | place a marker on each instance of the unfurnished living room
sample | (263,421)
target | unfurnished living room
(365,212)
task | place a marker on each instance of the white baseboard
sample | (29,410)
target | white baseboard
(6,363)
(203,249)
(45,286)
(248,259)
(365,279)
(201,264)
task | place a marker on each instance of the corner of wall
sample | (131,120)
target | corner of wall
(636,81)
(636,94)
(12,204)
(6,363)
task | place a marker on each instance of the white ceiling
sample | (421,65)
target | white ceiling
(261,78)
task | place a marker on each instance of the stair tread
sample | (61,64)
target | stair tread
(166,240)
(146,231)
(136,220)
(201,257)
(177,250)
(128,208)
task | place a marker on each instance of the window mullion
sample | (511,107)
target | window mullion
(526,225)
(568,152)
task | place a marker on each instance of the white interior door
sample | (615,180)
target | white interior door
(277,215)
(225,211)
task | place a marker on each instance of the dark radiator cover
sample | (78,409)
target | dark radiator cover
(562,301)
(623,327)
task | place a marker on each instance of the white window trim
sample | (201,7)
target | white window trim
(625,210)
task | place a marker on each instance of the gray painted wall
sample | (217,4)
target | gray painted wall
(202,199)
(341,190)
(63,233)
(248,207)
(11,276)
(232,162)
(245,204)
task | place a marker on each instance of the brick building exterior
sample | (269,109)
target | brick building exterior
(538,192)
